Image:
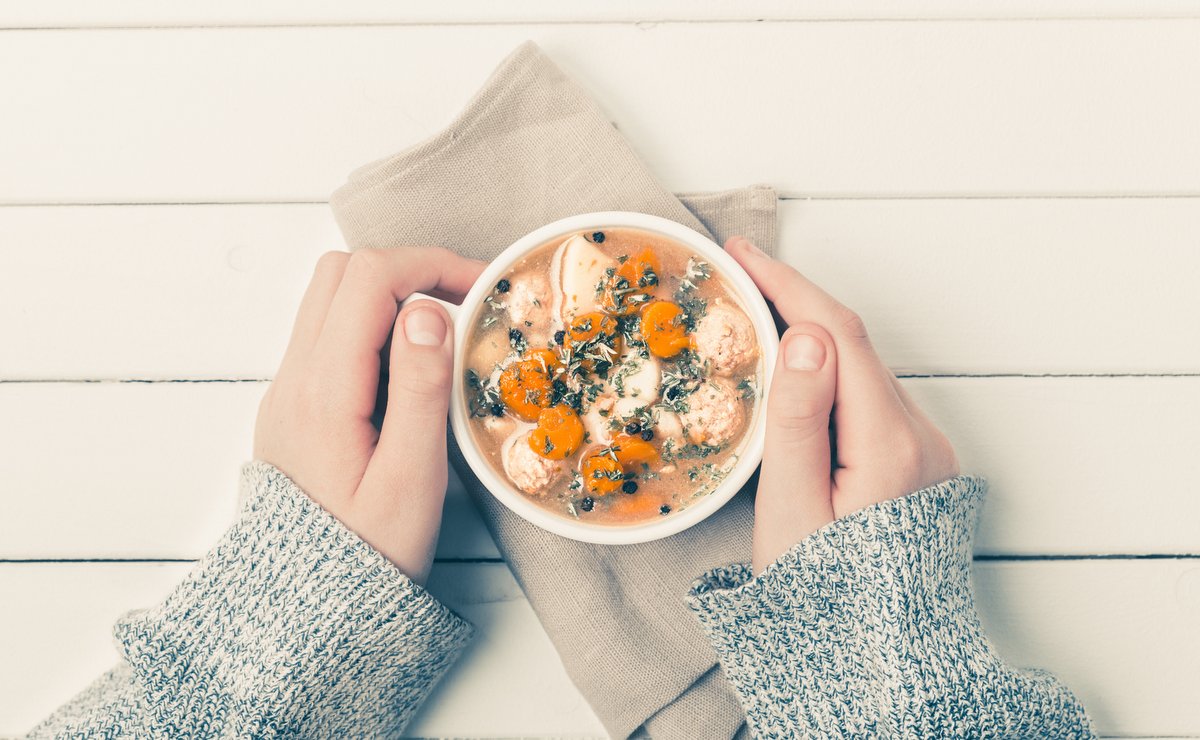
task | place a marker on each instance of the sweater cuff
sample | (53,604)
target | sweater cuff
(291,624)
(868,627)
(931,529)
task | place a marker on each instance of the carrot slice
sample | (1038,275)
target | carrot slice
(559,433)
(595,334)
(602,474)
(632,451)
(635,278)
(525,385)
(663,329)
(546,357)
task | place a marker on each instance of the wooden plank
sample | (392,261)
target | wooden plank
(1078,466)
(1010,286)
(144,471)
(158,14)
(873,108)
(1036,286)
(154,292)
(1120,633)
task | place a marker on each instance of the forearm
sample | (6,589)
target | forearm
(291,625)
(868,628)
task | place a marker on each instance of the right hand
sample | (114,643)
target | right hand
(351,344)
(842,433)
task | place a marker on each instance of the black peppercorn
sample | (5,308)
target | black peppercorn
(559,336)
(497,410)
(515,337)
(598,237)
(664,509)
(587,504)
(503,285)
(633,428)
(647,434)
(629,486)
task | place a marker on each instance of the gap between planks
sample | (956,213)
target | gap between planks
(644,23)
(783,195)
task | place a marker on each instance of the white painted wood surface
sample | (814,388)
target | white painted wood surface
(168,13)
(831,109)
(1073,468)
(997,195)
(1038,286)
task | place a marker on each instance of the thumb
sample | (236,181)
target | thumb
(405,481)
(794,486)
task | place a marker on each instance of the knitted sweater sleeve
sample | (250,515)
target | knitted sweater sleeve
(868,628)
(290,626)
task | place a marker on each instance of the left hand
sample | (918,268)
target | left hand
(315,422)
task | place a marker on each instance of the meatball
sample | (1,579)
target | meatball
(725,338)
(528,470)
(715,413)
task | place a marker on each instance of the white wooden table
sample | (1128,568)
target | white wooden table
(1008,192)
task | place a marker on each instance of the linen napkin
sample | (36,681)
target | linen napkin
(532,147)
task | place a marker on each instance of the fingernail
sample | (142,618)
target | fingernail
(425,327)
(804,353)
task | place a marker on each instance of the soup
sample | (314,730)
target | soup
(612,376)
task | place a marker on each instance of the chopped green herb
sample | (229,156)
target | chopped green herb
(482,398)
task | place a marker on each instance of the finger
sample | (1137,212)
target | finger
(868,407)
(794,487)
(314,306)
(363,313)
(405,481)
(442,295)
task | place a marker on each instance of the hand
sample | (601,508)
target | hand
(314,423)
(842,433)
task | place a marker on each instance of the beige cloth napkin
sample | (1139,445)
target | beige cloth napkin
(532,147)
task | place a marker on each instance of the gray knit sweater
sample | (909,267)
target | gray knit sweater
(293,626)
(868,629)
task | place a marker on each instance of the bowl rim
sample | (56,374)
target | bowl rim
(752,449)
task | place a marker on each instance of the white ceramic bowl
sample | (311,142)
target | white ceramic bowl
(752,444)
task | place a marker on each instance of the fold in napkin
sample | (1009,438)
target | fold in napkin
(530,148)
